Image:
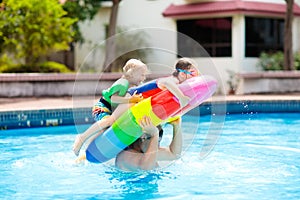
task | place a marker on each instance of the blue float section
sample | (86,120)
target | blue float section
(109,144)
(143,88)
(94,155)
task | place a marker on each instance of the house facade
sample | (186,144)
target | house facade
(220,35)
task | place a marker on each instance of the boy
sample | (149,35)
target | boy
(134,73)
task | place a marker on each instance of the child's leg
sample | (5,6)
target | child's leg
(92,138)
(98,126)
(88,142)
(92,130)
(119,111)
(80,159)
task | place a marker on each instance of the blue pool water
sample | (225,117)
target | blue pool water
(257,156)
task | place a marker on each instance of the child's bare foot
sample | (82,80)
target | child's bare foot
(77,145)
(80,159)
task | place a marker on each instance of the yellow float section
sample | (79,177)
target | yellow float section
(145,108)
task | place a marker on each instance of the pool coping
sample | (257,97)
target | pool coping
(42,112)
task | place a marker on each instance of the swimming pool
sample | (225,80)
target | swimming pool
(257,156)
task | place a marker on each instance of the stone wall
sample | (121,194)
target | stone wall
(269,82)
(38,85)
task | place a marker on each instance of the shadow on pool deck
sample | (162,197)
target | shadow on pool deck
(38,103)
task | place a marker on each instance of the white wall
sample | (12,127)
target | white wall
(94,33)
(146,15)
(133,14)
(296,34)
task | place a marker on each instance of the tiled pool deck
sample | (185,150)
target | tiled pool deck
(36,112)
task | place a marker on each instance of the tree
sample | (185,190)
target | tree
(30,29)
(81,10)
(288,37)
(129,44)
(110,42)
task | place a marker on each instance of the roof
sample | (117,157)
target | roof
(229,7)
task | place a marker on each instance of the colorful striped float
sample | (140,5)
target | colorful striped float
(158,107)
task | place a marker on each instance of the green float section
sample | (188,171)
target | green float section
(126,128)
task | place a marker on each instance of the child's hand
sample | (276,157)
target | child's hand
(184,101)
(136,98)
(195,72)
(175,122)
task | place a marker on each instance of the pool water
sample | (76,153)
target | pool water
(257,156)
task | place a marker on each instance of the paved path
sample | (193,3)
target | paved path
(14,104)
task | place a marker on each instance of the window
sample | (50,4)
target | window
(213,34)
(263,34)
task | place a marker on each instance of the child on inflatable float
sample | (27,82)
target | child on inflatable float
(184,69)
(134,73)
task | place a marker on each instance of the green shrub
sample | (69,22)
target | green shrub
(51,66)
(31,29)
(274,61)
(12,69)
(5,60)
(46,67)
(297,60)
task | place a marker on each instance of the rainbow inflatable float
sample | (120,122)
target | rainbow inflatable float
(158,107)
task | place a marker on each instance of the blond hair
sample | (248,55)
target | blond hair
(131,65)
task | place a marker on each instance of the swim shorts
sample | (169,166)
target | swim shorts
(101,110)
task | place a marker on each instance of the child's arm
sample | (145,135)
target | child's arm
(135,98)
(171,84)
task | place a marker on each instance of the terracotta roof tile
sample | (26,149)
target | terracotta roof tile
(225,7)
